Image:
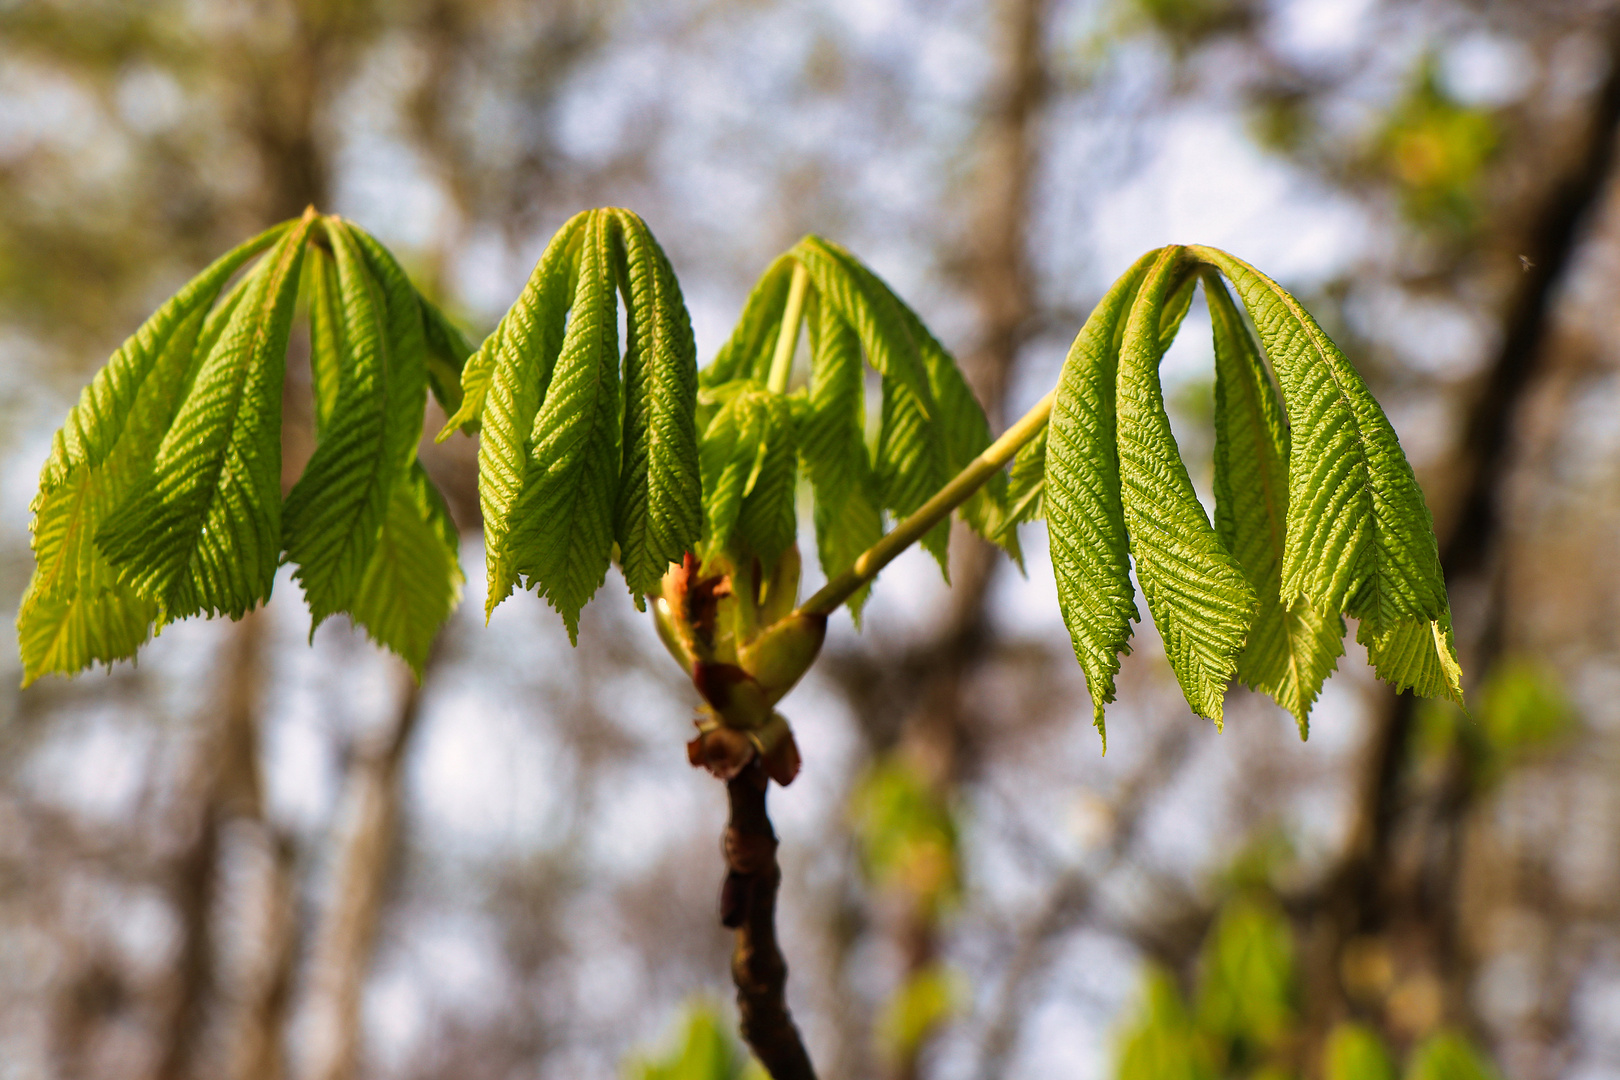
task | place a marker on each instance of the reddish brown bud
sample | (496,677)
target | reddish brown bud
(722,751)
(777,750)
(732,693)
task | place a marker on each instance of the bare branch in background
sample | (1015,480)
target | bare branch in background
(224,783)
(256,1047)
(1372,891)
(1069,898)
(353,909)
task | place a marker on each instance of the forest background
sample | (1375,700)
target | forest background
(248,858)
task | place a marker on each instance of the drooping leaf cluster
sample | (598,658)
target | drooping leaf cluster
(928,425)
(162,497)
(586,450)
(1317,513)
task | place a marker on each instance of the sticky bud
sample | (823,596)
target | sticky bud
(670,635)
(777,750)
(722,750)
(733,694)
(778,658)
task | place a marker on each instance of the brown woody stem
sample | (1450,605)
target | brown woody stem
(748,906)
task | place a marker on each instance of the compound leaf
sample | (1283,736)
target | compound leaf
(747,353)
(1360,536)
(502,387)
(326,343)
(203,531)
(1085,518)
(1025,497)
(1292,648)
(913,457)
(447,353)
(412,581)
(334,513)
(750,465)
(832,445)
(1199,598)
(561,527)
(659,514)
(76,611)
(959,415)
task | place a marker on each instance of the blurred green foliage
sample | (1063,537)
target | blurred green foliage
(928,999)
(1520,710)
(907,834)
(910,848)
(1245,1005)
(1354,1052)
(1185,24)
(1245,1021)
(1449,1056)
(706,1051)
(1246,996)
(1435,150)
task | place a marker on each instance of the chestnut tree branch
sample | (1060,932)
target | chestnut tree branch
(748,906)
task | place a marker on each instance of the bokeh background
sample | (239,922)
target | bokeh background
(253,856)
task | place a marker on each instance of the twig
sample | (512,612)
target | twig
(345,941)
(223,784)
(1071,896)
(931,513)
(748,906)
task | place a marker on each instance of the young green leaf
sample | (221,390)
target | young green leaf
(1176,306)
(659,513)
(334,513)
(1291,649)
(1026,485)
(750,465)
(560,530)
(913,456)
(412,581)
(1084,514)
(447,353)
(747,353)
(1199,598)
(327,347)
(959,415)
(1360,536)
(203,531)
(76,611)
(832,446)
(1416,653)
(502,388)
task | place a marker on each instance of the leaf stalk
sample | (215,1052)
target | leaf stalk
(787,342)
(961,488)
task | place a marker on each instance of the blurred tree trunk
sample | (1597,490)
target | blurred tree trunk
(1397,889)
(255,1051)
(348,929)
(223,783)
(934,738)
